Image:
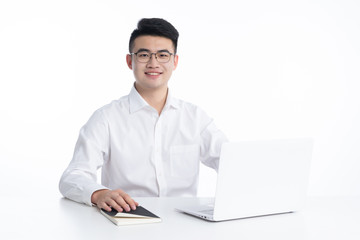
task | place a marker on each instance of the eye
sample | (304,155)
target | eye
(163,55)
(143,54)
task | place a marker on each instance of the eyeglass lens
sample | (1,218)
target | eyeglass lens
(144,56)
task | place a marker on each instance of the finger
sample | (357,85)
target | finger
(130,201)
(120,200)
(115,205)
(104,206)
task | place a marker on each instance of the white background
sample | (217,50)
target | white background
(261,69)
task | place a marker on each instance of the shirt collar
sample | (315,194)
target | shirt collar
(136,102)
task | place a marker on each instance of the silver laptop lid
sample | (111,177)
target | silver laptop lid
(262,177)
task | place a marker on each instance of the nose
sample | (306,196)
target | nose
(152,61)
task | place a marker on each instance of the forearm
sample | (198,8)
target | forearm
(78,186)
(212,140)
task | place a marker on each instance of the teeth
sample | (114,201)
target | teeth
(153,74)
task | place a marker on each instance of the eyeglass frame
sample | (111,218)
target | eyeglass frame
(152,53)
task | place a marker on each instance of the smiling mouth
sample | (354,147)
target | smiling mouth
(152,73)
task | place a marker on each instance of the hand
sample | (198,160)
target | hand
(117,199)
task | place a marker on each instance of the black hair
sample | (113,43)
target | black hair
(154,27)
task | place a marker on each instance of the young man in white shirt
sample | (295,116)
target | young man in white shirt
(147,143)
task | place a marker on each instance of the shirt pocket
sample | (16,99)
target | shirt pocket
(184,160)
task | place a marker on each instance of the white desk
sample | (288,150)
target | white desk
(58,218)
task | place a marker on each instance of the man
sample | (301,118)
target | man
(147,143)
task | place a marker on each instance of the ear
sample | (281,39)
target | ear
(129,61)
(176,60)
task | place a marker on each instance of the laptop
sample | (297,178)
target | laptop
(257,178)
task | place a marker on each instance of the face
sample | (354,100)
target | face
(152,75)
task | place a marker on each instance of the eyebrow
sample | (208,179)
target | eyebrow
(147,50)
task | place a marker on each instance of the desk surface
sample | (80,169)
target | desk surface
(59,218)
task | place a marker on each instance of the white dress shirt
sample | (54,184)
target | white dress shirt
(141,152)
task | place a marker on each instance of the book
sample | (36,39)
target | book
(138,216)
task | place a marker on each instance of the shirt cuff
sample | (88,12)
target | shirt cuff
(89,190)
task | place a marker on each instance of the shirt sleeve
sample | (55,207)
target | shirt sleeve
(79,180)
(211,141)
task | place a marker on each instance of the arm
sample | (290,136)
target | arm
(211,141)
(79,181)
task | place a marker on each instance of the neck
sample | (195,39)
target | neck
(154,97)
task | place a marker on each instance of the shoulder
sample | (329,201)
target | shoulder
(185,105)
(192,109)
(107,111)
(115,105)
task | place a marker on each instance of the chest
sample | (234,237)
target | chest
(148,130)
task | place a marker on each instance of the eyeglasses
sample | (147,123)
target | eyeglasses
(145,56)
